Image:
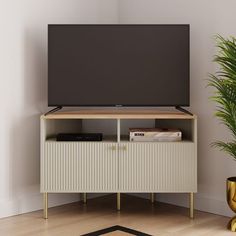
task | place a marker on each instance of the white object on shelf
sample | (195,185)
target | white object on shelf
(154,135)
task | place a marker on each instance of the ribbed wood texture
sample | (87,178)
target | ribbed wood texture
(157,167)
(79,167)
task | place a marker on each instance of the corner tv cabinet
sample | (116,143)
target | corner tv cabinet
(116,165)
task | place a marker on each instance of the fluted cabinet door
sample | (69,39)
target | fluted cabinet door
(157,167)
(79,167)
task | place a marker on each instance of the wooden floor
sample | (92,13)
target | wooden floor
(139,214)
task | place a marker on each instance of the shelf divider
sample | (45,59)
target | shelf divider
(118,130)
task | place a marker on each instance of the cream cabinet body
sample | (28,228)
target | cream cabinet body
(116,164)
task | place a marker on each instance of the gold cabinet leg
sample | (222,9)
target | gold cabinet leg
(45,205)
(191,205)
(152,197)
(84,198)
(118,201)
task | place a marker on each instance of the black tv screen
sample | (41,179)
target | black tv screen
(118,65)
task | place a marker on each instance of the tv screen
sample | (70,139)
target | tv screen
(118,65)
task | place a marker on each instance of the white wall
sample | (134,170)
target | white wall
(207,18)
(23,75)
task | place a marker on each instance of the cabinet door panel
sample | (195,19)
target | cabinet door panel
(79,167)
(157,167)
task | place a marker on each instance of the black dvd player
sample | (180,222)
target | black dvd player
(79,137)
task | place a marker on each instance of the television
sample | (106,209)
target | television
(118,65)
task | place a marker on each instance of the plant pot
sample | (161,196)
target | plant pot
(231,199)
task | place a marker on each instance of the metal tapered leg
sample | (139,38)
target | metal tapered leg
(152,197)
(118,201)
(191,205)
(45,205)
(85,198)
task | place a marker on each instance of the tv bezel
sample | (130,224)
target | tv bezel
(124,105)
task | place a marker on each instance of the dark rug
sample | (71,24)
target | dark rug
(116,230)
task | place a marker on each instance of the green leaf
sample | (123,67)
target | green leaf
(224,82)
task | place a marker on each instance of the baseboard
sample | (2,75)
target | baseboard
(34,202)
(201,202)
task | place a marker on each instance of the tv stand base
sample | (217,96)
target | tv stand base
(119,166)
(183,110)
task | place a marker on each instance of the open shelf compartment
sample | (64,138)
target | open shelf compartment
(186,126)
(51,127)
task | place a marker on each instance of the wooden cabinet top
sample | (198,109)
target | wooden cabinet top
(118,114)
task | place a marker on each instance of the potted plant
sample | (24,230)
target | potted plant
(224,82)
